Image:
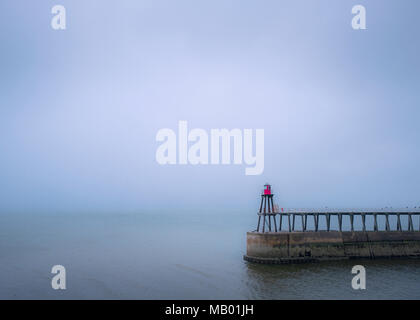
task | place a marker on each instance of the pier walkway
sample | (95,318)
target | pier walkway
(285,219)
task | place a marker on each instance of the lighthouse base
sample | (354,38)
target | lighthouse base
(311,246)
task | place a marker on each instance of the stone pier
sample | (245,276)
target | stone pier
(295,247)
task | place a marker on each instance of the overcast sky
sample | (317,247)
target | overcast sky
(80,108)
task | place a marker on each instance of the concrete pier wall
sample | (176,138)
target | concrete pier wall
(294,247)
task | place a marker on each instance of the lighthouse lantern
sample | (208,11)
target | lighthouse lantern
(267,189)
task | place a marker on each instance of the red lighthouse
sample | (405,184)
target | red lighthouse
(267,210)
(267,189)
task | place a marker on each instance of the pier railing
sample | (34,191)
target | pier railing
(386,219)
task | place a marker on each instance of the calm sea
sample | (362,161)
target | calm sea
(171,256)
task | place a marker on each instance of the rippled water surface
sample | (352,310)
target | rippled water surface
(166,256)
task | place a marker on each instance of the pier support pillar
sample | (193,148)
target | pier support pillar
(265,204)
(328,216)
(410,223)
(293,224)
(275,223)
(281,221)
(340,221)
(303,222)
(399,223)
(364,221)
(263,229)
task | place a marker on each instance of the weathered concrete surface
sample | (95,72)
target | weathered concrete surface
(290,247)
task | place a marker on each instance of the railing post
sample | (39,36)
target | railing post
(375,227)
(387,222)
(288,216)
(316,221)
(351,221)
